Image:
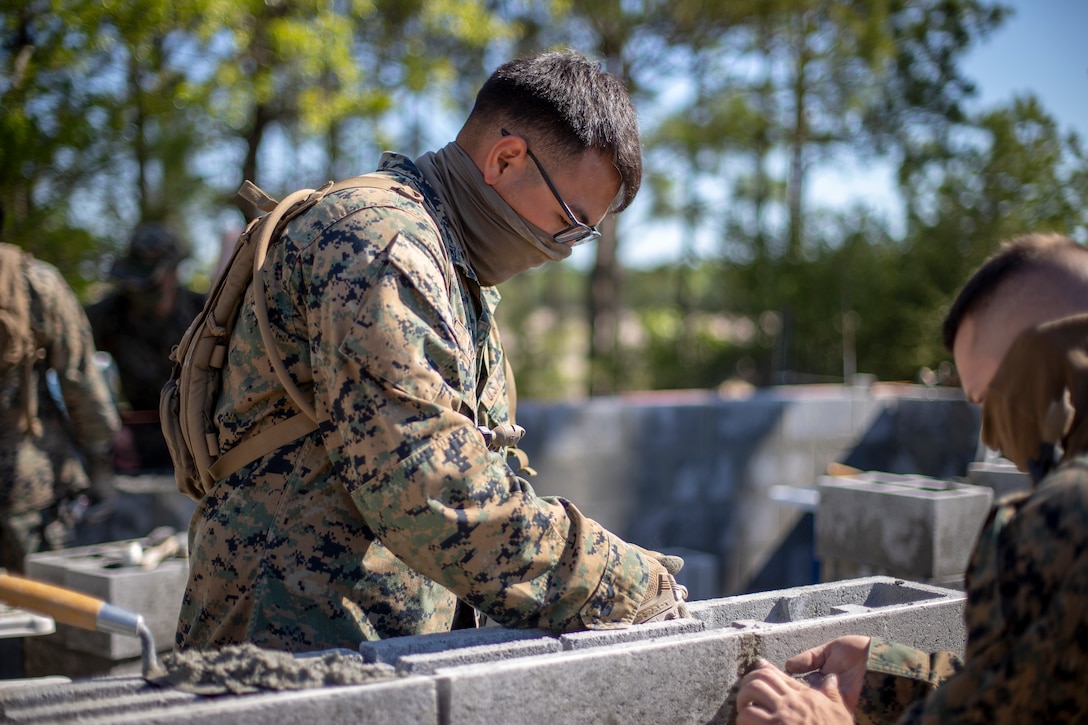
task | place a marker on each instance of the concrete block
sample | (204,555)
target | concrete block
(820,601)
(640,633)
(390,651)
(100,571)
(913,527)
(48,656)
(676,675)
(929,626)
(1001,475)
(677,679)
(427,664)
(131,700)
(921,615)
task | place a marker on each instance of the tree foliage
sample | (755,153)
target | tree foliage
(120,111)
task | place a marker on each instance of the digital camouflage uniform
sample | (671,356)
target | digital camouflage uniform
(1026,659)
(40,475)
(377,316)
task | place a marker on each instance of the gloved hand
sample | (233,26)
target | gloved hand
(664,598)
(102,493)
(673,564)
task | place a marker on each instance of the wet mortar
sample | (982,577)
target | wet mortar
(240,669)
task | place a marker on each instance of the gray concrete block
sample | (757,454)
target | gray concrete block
(1001,475)
(916,528)
(130,700)
(99,571)
(638,633)
(931,626)
(817,602)
(389,651)
(677,679)
(427,664)
(51,655)
(497,675)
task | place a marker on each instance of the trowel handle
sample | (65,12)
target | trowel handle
(67,606)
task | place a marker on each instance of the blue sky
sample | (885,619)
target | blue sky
(1040,49)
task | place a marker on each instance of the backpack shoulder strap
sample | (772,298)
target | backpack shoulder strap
(19,345)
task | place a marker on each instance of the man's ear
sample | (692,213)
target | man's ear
(505,160)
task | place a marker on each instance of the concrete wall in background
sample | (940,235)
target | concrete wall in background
(692,471)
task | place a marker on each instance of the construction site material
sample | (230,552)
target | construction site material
(915,527)
(684,671)
(114,574)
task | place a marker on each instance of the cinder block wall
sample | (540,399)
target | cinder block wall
(692,470)
(684,671)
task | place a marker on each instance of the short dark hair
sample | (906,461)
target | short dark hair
(567,105)
(1014,257)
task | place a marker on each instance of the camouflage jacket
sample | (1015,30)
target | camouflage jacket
(373,525)
(77,412)
(1026,659)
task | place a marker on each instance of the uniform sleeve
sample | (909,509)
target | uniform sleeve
(417,468)
(1027,647)
(898,676)
(91,411)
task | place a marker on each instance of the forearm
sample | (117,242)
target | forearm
(455,512)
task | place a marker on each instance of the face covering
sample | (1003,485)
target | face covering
(497,242)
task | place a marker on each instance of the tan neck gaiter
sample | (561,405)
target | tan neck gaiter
(497,241)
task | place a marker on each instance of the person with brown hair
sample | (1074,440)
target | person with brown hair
(394,517)
(1018,331)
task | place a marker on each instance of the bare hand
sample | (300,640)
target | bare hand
(768,696)
(845,657)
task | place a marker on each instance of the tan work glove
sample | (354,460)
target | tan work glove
(1031,408)
(673,564)
(664,598)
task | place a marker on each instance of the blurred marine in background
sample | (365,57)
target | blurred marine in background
(138,324)
(57,417)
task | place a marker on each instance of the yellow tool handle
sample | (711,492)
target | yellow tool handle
(842,470)
(64,605)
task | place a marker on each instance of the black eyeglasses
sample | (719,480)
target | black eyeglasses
(577,233)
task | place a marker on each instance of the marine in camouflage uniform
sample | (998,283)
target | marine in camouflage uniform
(375,312)
(1021,349)
(1026,658)
(40,476)
(375,524)
(1027,622)
(138,324)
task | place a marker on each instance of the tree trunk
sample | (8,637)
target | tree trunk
(604,305)
(797,143)
(604,290)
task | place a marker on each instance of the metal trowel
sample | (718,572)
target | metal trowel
(81,610)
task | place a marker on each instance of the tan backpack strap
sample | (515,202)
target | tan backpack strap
(260,305)
(305,422)
(303,198)
(23,349)
(267,440)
